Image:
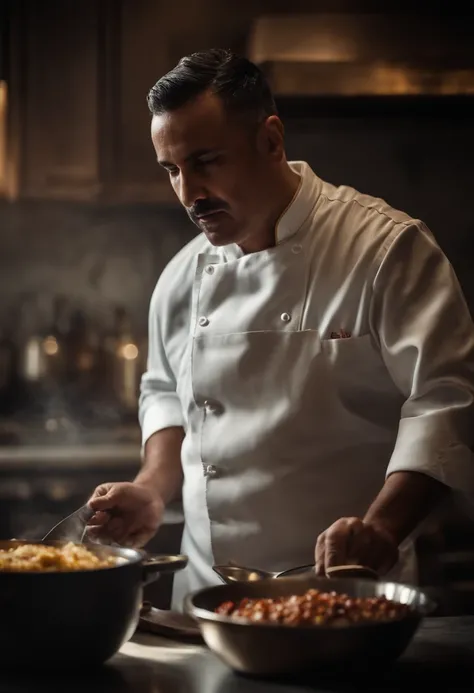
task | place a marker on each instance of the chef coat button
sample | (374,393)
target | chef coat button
(210,471)
(210,269)
(212,407)
(296,248)
(285,317)
(203,321)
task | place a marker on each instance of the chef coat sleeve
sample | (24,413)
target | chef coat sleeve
(426,337)
(159,404)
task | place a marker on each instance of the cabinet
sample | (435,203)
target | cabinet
(79,122)
(61,100)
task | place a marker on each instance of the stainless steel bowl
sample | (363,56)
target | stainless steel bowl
(269,649)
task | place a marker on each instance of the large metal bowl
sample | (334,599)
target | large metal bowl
(269,649)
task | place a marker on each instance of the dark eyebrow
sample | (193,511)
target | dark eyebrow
(191,157)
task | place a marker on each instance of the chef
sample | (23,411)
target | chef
(310,381)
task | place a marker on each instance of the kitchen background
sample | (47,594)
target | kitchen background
(383,102)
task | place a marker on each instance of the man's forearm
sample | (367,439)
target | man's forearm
(161,467)
(404,501)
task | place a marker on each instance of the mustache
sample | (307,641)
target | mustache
(206,206)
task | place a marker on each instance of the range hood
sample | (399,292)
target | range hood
(364,54)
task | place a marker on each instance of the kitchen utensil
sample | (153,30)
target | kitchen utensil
(71,528)
(76,618)
(234,573)
(270,649)
(361,572)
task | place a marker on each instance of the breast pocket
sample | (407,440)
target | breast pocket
(360,378)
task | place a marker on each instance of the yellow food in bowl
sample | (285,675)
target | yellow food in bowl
(41,558)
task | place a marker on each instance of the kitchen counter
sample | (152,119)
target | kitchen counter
(441,654)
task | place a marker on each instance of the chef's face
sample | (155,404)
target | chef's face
(221,166)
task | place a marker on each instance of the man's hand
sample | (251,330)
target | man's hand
(126,513)
(353,541)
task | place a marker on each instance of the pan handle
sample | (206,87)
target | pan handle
(154,565)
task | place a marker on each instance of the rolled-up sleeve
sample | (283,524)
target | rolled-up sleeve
(159,404)
(426,336)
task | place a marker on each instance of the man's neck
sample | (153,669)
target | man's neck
(284,193)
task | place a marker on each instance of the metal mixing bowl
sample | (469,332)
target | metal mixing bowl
(268,649)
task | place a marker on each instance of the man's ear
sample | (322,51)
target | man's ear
(271,138)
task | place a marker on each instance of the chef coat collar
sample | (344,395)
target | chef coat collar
(297,211)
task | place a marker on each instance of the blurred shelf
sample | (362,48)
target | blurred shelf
(74,456)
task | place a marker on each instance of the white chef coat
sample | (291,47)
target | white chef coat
(306,373)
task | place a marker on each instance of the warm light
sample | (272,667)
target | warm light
(50,346)
(3,137)
(85,361)
(130,352)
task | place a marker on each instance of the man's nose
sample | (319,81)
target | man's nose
(190,190)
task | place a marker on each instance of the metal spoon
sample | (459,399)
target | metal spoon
(71,528)
(234,573)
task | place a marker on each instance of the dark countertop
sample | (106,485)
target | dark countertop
(442,654)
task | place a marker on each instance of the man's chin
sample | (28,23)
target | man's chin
(217,238)
(218,233)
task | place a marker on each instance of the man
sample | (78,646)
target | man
(310,381)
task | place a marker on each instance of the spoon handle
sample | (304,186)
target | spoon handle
(352,571)
(72,527)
